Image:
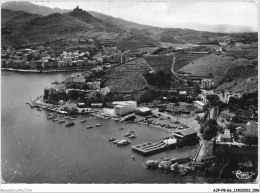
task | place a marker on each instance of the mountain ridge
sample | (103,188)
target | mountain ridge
(44,11)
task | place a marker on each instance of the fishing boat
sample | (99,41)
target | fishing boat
(123,142)
(71,118)
(111,139)
(127,134)
(61,121)
(70,124)
(54,120)
(89,127)
(83,120)
(98,125)
(132,136)
(115,141)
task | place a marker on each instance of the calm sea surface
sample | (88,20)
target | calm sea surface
(36,150)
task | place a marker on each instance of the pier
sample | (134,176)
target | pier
(178,139)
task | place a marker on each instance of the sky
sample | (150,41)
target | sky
(167,14)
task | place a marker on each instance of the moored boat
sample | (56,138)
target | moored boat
(89,127)
(70,124)
(54,120)
(132,136)
(127,134)
(123,142)
(61,121)
(111,139)
(83,120)
(98,125)
(115,141)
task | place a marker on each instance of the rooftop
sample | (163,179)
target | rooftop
(185,132)
(200,103)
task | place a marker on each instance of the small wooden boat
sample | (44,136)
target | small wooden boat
(115,141)
(83,120)
(61,121)
(132,136)
(123,142)
(70,124)
(111,139)
(127,134)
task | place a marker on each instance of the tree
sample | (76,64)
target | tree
(29,57)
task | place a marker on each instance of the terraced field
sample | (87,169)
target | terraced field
(218,65)
(163,63)
(128,77)
(243,71)
(127,82)
(182,59)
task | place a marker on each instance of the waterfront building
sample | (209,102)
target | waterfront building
(143,111)
(185,135)
(124,107)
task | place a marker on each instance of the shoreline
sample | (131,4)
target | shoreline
(41,71)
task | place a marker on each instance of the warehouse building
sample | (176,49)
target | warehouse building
(124,107)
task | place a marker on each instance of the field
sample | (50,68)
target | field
(241,85)
(218,65)
(128,77)
(157,63)
(182,59)
(242,71)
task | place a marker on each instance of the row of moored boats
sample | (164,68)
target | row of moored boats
(54,118)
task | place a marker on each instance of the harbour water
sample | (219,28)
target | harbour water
(37,150)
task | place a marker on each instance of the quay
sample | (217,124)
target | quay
(178,139)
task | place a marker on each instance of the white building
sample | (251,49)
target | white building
(200,105)
(206,83)
(124,107)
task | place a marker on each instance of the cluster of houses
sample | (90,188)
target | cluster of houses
(44,57)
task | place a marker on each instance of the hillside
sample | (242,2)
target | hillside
(240,85)
(31,8)
(19,28)
(118,21)
(218,65)
(36,28)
